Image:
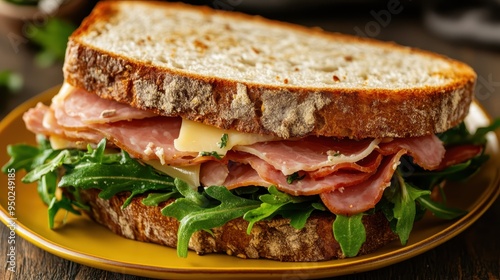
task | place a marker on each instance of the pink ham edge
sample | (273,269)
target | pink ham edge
(459,154)
(242,175)
(369,165)
(364,196)
(90,108)
(213,173)
(151,138)
(125,132)
(305,186)
(309,154)
(41,120)
(426,151)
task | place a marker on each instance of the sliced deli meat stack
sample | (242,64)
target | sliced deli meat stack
(311,153)
(364,196)
(341,171)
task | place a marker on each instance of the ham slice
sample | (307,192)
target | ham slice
(214,173)
(311,153)
(151,138)
(426,151)
(363,196)
(90,108)
(369,165)
(232,175)
(41,120)
(303,186)
(459,154)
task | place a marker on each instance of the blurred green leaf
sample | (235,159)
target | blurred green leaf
(52,39)
(11,81)
(23,2)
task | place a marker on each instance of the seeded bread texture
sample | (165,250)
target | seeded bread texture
(274,239)
(242,72)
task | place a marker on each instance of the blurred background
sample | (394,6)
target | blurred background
(33,34)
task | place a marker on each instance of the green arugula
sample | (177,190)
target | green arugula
(275,202)
(154,199)
(440,210)
(223,141)
(460,134)
(404,206)
(350,233)
(210,154)
(109,172)
(294,177)
(195,212)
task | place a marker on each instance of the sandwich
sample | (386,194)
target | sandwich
(220,132)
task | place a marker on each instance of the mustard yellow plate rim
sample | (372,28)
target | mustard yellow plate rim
(85,242)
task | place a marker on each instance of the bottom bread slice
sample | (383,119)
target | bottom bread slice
(274,239)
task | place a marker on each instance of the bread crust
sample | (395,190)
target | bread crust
(286,111)
(274,239)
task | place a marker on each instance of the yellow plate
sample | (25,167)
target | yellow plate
(85,242)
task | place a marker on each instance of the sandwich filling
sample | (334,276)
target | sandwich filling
(338,170)
(348,176)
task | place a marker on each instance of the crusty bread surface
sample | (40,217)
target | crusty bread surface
(242,72)
(274,239)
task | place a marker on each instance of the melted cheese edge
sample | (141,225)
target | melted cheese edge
(198,137)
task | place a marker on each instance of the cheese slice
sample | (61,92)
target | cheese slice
(189,174)
(198,137)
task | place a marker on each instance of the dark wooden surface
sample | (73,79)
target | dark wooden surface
(473,254)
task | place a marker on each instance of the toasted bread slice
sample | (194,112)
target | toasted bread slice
(275,239)
(251,74)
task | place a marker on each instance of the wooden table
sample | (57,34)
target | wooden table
(473,254)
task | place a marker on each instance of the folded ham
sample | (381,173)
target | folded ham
(349,176)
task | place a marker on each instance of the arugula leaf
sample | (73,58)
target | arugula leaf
(56,205)
(479,137)
(210,154)
(270,206)
(300,213)
(294,177)
(193,217)
(350,233)
(461,135)
(190,194)
(223,141)
(50,166)
(404,206)
(440,210)
(154,199)
(21,157)
(47,187)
